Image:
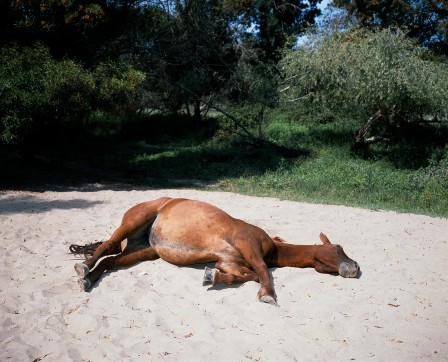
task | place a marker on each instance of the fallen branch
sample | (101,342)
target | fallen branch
(257,142)
(375,139)
(360,135)
(247,135)
(261,142)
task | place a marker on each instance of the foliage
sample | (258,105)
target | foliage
(117,87)
(434,176)
(424,20)
(360,72)
(334,175)
(189,50)
(37,91)
(43,95)
(70,28)
(227,52)
(254,88)
(274,23)
(185,48)
(191,158)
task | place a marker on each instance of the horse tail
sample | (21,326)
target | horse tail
(86,250)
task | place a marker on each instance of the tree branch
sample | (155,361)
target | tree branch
(254,140)
(360,134)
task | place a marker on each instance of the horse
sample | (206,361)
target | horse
(185,232)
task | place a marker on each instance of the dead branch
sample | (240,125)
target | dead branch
(247,135)
(257,142)
(375,139)
(360,134)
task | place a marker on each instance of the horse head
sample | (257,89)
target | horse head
(331,258)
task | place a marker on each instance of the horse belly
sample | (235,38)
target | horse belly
(184,253)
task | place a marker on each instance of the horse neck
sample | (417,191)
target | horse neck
(298,256)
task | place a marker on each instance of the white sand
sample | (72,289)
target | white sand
(396,311)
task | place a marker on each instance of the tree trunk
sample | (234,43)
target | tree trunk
(197,111)
(260,118)
(187,106)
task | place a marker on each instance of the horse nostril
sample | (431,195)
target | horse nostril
(344,269)
(349,269)
(356,271)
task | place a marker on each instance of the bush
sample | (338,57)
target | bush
(117,85)
(38,92)
(360,72)
(43,96)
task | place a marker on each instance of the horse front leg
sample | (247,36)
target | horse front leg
(127,258)
(251,251)
(228,273)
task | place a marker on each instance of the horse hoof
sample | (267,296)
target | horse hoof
(209,275)
(268,299)
(82,270)
(84,284)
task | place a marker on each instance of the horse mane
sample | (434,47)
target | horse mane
(86,250)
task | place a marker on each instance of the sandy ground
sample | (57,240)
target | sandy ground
(396,311)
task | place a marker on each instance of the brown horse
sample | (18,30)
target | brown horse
(184,232)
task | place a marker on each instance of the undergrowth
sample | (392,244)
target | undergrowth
(166,151)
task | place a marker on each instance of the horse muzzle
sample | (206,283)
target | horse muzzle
(349,269)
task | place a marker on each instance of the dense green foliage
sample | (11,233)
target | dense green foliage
(37,91)
(210,157)
(405,177)
(358,73)
(188,49)
(41,95)
(424,20)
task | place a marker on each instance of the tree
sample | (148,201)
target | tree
(381,75)
(189,49)
(272,24)
(424,20)
(197,45)
(44,99)
(66,27)
(78,29)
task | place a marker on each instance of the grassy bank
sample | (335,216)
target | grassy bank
(335,178)
(169,152)
(409,175)
(404,176)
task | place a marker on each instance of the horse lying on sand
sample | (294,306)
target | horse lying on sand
(185,232)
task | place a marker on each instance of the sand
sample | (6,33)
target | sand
(396,311)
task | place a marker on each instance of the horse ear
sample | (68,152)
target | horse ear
(278,239)
(324,238)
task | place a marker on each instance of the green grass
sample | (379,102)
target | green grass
(399,177)
(169,152)
(333,177)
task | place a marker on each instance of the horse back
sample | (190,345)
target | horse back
(189,232)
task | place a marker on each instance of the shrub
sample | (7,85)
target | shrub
(116,85)
(361,72)
(43,96)
(38,92)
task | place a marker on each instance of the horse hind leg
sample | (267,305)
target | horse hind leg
(127,258)
(82,269)
(127,230)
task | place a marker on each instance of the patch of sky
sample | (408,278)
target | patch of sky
(331,19)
